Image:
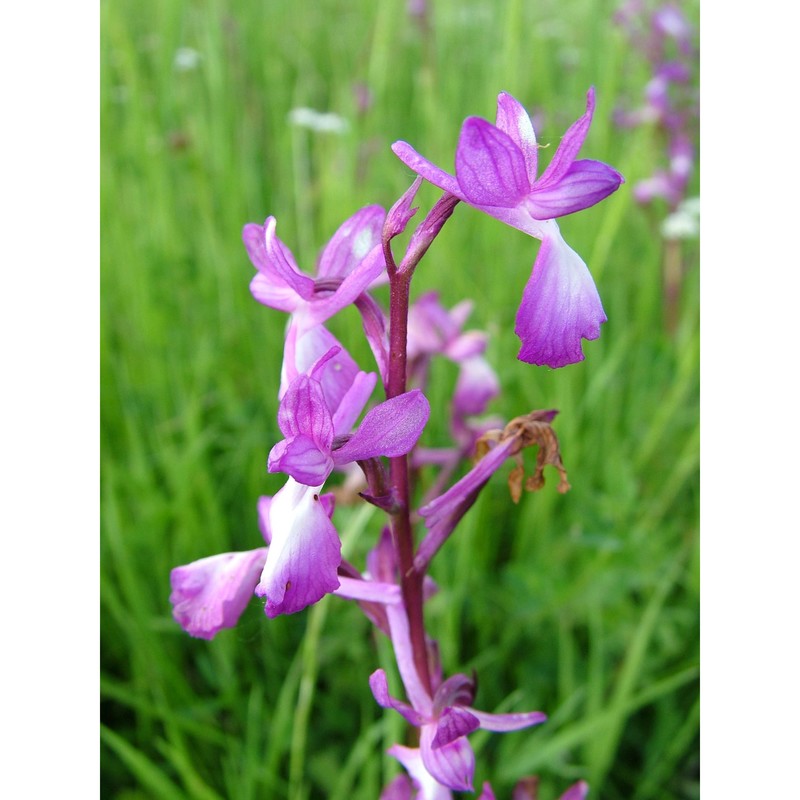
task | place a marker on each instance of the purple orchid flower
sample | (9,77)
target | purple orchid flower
(496,167)
(445,719)
(305,552)
(351,262)
(212,593)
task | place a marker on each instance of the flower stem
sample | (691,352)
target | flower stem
(402,532)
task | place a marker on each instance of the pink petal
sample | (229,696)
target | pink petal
(502,723)
(560,306)
(578,791)
(303,410)
(301,458)
(305,553)
(570,145)
(490,168)
(513,119)
(391,429)
(351,243)
(429,788)
(211,593)
(453,724)
(585,183)
(452,765)
(413,160)
(380,691)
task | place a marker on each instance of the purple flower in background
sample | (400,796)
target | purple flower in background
(496,172)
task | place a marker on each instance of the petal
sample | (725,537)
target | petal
(457,690)
(400,788)
(490,168)
(578,791)
(380,691)
(513,119)
(412,159)
(477,384)
(371,591)
(404,655)
(390,429)
(453,764)
(274,259)
(303,410)
(211,593)
(560,306)
(569,146)
(356,282)
(351,243)
(274,294)
(264,503)
(353,402)
(302,459)
(453,724)
(585,183)
(305,553)
(487,793)
(429,788)
(502,723)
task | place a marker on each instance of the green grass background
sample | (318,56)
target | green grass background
(584,605)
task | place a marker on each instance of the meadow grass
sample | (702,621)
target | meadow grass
(583,605)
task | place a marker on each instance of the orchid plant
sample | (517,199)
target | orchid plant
(323,393)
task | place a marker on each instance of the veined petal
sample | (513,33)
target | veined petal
(211,593)
(490,167)
(351,243)
(560,306)
(356,282)
(371,591)
(502,723)
(453,724)
(438,177)
(380,691)
(274,294)
(569,146)
(452,765)
(303,411)
(353,402)
(585,183)
(391,429)
(302,459)
(278,262)
(305,553)
(513,119)
(428,787)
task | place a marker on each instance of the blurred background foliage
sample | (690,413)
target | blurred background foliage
(583,605)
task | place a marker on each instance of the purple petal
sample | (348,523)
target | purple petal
(264,503)
(453,724)
(487,793)
(513,119)
(585,183)
(273,259)
(490,167)
(380,691)
(211,593)
(569,146)
(303,410)
(354,284)
(457,690)
(353,402)
(302,459)
(560,306)
(401,212)
(275,295)
(370,591)
(404,655)
(578,791)
(305,553)
(398,789)
(452,765)
(429,788)
(413,160)
(477,384)
(351,243)
(390,429)
(502,723)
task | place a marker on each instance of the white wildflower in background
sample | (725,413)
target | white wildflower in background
(684,222)
(318,121)
(186,59)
